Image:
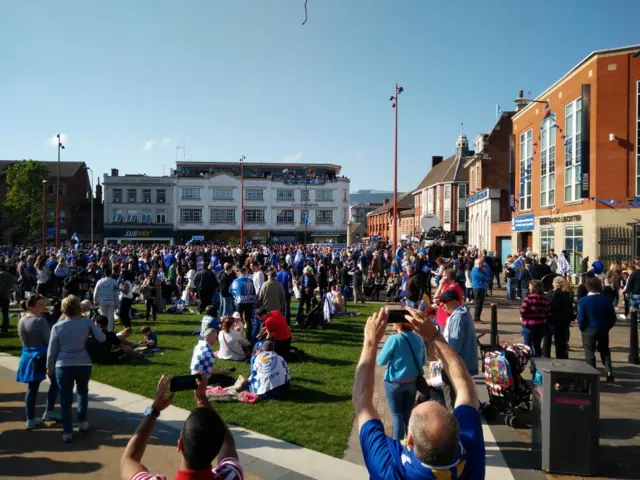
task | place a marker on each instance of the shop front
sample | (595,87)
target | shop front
(328,237)
(522,227)
(128,235)
(564,232)
(484,210)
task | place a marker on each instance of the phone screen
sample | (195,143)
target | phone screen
(397,315)
(182,383)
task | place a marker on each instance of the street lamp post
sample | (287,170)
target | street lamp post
(44,216)
(60,147)
(394,99)
(242,159)
(92,202)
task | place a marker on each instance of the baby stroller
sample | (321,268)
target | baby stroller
(315,318)
(502,368)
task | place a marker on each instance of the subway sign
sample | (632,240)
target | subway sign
(138,233)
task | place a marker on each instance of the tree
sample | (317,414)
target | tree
(23,204)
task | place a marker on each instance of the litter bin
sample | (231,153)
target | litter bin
(566,412)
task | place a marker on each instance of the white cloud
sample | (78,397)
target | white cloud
(148,145)
(54,140)
(294,157)
(165,141)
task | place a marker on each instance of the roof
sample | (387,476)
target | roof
(592,55)
(447,171)
(477,155)
(67,169)
(408,213)
(280,165)
(404,201)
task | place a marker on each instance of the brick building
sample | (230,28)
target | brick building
(576,145)
(379,221)
(488,191)
(442,193)
(75,206)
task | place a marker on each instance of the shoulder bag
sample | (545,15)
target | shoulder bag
(421,382)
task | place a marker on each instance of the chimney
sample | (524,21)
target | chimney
(435,160)
(99,192)
(114,172)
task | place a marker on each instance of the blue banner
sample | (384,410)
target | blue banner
(523,223)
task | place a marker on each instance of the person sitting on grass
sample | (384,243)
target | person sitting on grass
(204,437)
(203,358)
(150,341)
(210,319)
(269,373)
(276,329)
(110,351)
(233,346)
(123,335)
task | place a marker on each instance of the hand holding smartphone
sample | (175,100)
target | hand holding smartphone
(182,383)
(397,315)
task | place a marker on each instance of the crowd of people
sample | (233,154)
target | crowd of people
(245,295)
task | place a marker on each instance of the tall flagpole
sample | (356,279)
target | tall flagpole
(242,159)
(60,146)
(395,98)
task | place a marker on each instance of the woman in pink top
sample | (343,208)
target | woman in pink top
(448,282)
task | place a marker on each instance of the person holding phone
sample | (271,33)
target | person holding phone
(203,359)
(204,437)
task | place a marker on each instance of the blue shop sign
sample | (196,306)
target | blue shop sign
(477,197)
(523,223)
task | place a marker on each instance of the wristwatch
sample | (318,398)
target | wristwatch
(151,412)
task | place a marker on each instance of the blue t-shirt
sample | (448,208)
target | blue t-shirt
(388,459)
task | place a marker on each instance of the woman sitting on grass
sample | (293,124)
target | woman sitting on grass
(270,376)
(233,346)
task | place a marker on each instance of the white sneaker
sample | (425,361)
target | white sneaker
(67,437)
(33,423)
(52,417)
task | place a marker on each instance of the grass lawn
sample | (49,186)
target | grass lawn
(317,415)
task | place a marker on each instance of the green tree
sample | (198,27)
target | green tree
(23,204)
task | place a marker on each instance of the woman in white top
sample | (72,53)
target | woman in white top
(233,346)
(191,274)
(42,276)
(126,297)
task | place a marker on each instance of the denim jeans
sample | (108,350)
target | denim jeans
(31,397)
(533,337)
(401,398)
(634,301)
(511,288)
(67,377)
(227,306)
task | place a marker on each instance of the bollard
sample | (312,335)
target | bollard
(493,336)
(633,337)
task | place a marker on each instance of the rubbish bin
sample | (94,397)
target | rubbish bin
(566,412)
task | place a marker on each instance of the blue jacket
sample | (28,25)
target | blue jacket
(595,312)
(397,356)
(478,279)
(598,267)
(460,333)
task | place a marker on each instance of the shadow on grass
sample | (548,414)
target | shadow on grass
(300,394)
(333,362)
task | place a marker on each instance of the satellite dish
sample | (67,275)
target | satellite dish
(429,221)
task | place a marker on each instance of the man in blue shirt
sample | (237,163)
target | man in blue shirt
(479,285)
(439,445)
(284,278)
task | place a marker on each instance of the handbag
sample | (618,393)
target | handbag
(421,382)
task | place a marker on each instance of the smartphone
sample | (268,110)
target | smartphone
(232,369)
(182,383)
(397,315)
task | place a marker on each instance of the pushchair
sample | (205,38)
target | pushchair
(316,318)
(502,368)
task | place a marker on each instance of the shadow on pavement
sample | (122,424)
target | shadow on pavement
(17,466)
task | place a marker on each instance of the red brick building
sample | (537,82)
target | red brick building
(575,145)
(379,222)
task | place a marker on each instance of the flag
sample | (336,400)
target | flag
(498,110)
(307,218)
(74,237)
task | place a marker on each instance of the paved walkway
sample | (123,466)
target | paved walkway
(114,415)
(508,450)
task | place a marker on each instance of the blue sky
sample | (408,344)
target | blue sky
(127,81)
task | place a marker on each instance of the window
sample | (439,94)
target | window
(462,216)
(63,217)
(117,195)
(462,190)
(478,177)
(447,215)
(525,170)
(547,240)
(572,150)
(447,192)
(254,215)
(304,194)
(223,215)
(191,215)
(132,216)
(254,194)
(573,246)
(285,216)
(638,139)
(285,195)
(161,195)
(146,195)
(324,216)
(161,216)
(548,162)
(132,195)
(222,194)
(190,193)
(472,176)
(324,195)
(116,217)
(146,216)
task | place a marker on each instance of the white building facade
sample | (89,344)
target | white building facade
(484,209)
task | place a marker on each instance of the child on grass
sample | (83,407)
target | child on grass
(150,341)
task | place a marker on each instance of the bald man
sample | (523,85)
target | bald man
(439,445)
